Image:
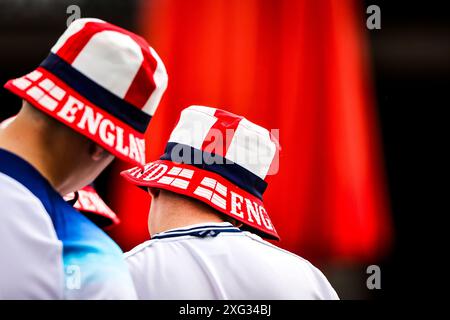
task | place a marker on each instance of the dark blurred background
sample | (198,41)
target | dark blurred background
(404,65)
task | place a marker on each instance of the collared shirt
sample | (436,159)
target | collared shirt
(219,261)
(48,250)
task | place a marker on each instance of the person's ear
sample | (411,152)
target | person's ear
(154,192)
(234,222)
(97,153)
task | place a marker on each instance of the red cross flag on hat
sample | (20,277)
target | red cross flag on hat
(219,158)
(102,81)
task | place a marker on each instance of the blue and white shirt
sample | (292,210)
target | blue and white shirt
(219,261)
(48,250)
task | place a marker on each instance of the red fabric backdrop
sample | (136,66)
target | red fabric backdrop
(297,65)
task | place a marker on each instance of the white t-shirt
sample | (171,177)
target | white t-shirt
(48,250)
(219,261)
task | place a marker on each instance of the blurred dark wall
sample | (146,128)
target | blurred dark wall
(411,65)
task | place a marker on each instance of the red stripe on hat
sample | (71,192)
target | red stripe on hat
(76,42)
(275,164)
(143,83)
(224,128)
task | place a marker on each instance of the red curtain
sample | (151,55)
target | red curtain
(297,65)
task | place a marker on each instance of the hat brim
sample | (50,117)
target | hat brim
(72,109)
(208,187)
(92,205)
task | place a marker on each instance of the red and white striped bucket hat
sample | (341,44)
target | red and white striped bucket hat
(102,81)
(219,158)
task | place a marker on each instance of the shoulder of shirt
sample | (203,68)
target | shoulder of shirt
(17,192)
(138,248)
(182,234)
(248,235)
(258,239)
(13,192)
(146,244)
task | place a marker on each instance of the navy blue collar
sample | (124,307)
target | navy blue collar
(23,172)
(201,231)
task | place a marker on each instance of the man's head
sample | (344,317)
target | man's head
(102,84)
(41,139)
(217,158)
(44,129)
(170,209)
